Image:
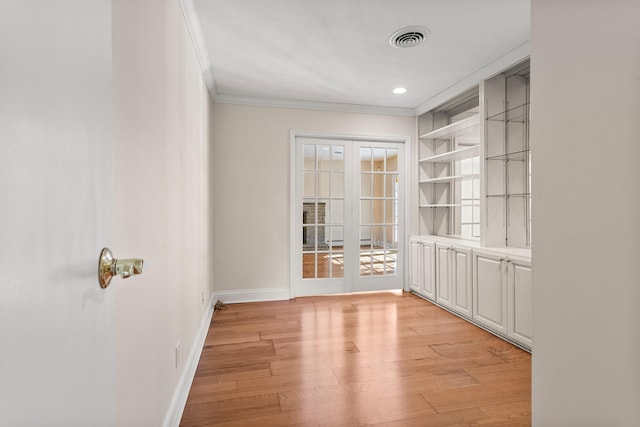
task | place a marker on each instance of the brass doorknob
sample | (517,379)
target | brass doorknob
(108,267)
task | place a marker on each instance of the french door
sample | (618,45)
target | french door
(348,216)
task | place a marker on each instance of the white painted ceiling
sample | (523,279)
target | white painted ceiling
(338,51)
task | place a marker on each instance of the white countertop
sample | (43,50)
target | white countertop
(474,244)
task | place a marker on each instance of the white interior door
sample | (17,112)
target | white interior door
(322,205)
(378,213)
(347,216)
(56,357)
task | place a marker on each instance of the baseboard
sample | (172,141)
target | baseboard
(172,419)
(252,295)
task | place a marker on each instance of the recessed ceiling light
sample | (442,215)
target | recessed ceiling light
(399,90)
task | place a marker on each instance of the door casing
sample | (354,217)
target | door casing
(294,268)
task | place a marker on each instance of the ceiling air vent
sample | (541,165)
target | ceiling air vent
(409,37)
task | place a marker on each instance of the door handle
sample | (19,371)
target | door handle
(108,267)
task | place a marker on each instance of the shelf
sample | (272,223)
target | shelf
(449,179)
(518,114)
(465,127)
(504,196)
(515,156)
(452,156)
(446,205)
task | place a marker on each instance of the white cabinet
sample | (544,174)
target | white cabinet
(502,295)
(422,268)
(490,291)
(520,301)
(490,287)
(415,266)
(444,294)
(429,271)
(462,290)
(453,278)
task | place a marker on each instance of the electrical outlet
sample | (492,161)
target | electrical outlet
(177,354)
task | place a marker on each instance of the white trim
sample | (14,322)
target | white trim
(252,295)
(314,105)
(179,400)
(192,21)
(514,56)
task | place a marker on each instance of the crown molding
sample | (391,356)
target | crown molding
(514,56)
(314,105)
(197,38)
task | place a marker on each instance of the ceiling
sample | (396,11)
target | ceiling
(336,53)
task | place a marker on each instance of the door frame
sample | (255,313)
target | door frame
(403,248)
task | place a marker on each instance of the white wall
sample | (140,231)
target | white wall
(585,98)
(250,172)
(56,339)
(161,205)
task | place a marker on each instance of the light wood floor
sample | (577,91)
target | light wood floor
(384,359)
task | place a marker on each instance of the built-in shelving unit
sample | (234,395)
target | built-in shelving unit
(471,254)
(463,196)
(507,159)
(450,143)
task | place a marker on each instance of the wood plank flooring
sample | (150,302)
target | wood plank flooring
(383,359)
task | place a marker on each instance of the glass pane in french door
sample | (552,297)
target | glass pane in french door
(379,197)
(323,190)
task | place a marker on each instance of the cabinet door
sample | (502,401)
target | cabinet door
(461,281)
(490,292)
(443,276)
(428,270)
(520,302)
(415,260)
